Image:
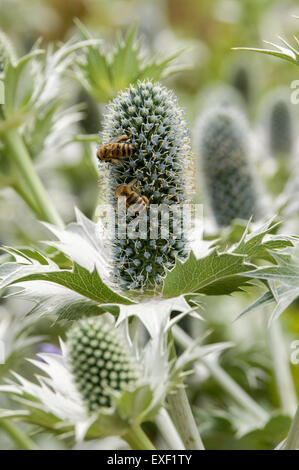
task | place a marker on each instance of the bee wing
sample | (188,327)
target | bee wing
(119,138)
(115,140)
(133,183)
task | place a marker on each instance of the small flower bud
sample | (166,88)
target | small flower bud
(100,362)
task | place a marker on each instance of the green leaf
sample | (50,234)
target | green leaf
(80,280)
(72,290)
(219,273)
(215,274)
(126,61)
(283,281)
(267,438)
(20,84)
(104,74)
(286,52)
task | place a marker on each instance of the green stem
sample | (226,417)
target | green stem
(137,439)
(183,418)
(19,437)
(226,382)
(283,377)
(26,197)
(17,151)
(292,442)
(168,430)
(181,413)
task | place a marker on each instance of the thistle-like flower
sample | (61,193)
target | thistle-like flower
(160,163)
(100,362)
(241,82)
(223,152)
(281,128)
(102,384)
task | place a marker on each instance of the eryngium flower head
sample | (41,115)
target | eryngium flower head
(223,152)
(6,52)
(162,165)
(281,128)
(241,82)
(100,362)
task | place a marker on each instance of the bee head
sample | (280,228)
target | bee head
(123,190)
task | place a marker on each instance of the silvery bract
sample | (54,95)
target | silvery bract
(6,52)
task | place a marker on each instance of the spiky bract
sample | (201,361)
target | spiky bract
(100,362)
(6,51)
(161,163)
(223,149)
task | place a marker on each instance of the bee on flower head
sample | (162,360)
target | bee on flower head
(117,149)
(140,203)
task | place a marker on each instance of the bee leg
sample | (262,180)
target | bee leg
(146,201)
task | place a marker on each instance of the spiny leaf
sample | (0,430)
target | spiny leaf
(19,84)
(104,74)
(219,273)
(215,274)
(80,280)
(88,284)
(286,52)
(283,282)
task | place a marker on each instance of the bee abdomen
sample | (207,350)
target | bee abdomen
(133,199)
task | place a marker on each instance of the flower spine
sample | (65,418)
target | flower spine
(161,165)
(100,362)
(223,152)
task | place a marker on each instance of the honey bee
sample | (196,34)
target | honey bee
(117,149)
(140,203)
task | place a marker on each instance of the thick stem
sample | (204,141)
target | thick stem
(19,154)
(168,431)
(138,440)
(183,418)
(292,442)
(281,365)
(228,384)
(26,198)
(181,412)
(18,437)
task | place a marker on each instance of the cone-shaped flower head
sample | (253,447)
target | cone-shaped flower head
(281,128)
(161,165)
(100,361)
(241,81)
(223,152)
(6,51)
